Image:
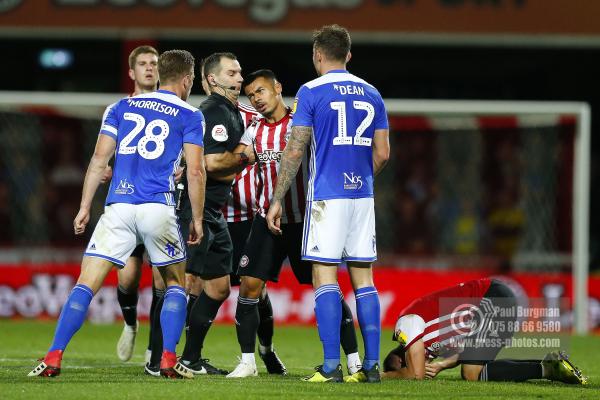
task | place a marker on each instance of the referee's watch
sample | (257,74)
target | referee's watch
(243,159)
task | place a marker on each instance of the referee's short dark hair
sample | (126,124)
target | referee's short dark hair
(333,41)
(212,63)
(261,73)
(174,64)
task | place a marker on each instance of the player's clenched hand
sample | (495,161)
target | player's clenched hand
(107,174)
(178,174)
(274,217)
(81,221)
(432,369)
(249,151)
(196,232)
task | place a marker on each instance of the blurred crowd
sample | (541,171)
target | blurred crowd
(452,188)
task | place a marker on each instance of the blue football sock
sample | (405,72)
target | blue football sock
(328,310)
(172,316)
(72,316)
(367,310)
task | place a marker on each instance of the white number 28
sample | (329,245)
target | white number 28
(149,136)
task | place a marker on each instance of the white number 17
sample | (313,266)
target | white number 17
(342,137)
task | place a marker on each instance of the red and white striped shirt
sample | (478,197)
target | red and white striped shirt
(242,201)
(269,141)
(441,318)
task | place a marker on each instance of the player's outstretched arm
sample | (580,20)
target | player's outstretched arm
(381,149)
(414,360)
(107,176)
(290,163)
(291,159)
(434,368)
(220,167)
(105,148)
(196,177)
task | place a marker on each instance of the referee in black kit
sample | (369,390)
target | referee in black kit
(209,264)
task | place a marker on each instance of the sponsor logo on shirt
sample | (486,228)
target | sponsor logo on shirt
(435,348)
(125,187)
(295,105)
(352,182)
(269,155)
(219,133)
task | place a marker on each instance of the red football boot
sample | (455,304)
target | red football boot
(50,365)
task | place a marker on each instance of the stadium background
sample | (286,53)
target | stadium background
(417,49)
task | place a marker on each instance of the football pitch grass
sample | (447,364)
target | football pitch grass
(91,369)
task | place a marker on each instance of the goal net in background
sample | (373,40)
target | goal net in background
(500,186)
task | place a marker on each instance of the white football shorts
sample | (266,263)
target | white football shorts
(123,226)
(339,230)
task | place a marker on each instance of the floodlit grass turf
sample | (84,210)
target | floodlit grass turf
(91,370)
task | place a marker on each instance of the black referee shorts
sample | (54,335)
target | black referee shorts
(239,232)
(264,253)
(497,320)
(212,257)
(138,252)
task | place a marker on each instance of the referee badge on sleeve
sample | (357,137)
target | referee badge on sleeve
(219,133)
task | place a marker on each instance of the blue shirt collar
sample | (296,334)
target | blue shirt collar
(166,91)
(338,71)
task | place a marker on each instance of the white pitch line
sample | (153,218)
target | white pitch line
(74,366)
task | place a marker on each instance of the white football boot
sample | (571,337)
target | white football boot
(243,370)
(126,342)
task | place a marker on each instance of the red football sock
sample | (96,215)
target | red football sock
(168,360)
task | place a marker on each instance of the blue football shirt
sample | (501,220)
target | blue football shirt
(150,130)
(344,112)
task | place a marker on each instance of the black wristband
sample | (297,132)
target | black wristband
(243,159)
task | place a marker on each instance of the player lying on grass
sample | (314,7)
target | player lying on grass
(468,325)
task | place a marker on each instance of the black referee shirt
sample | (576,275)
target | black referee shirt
(224,129)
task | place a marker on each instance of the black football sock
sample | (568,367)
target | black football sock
(191,300)
(266,325)
(157,338)
(157,294)
(246,323)
(347,330)
(511,370)
(202,315)
(128,300)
